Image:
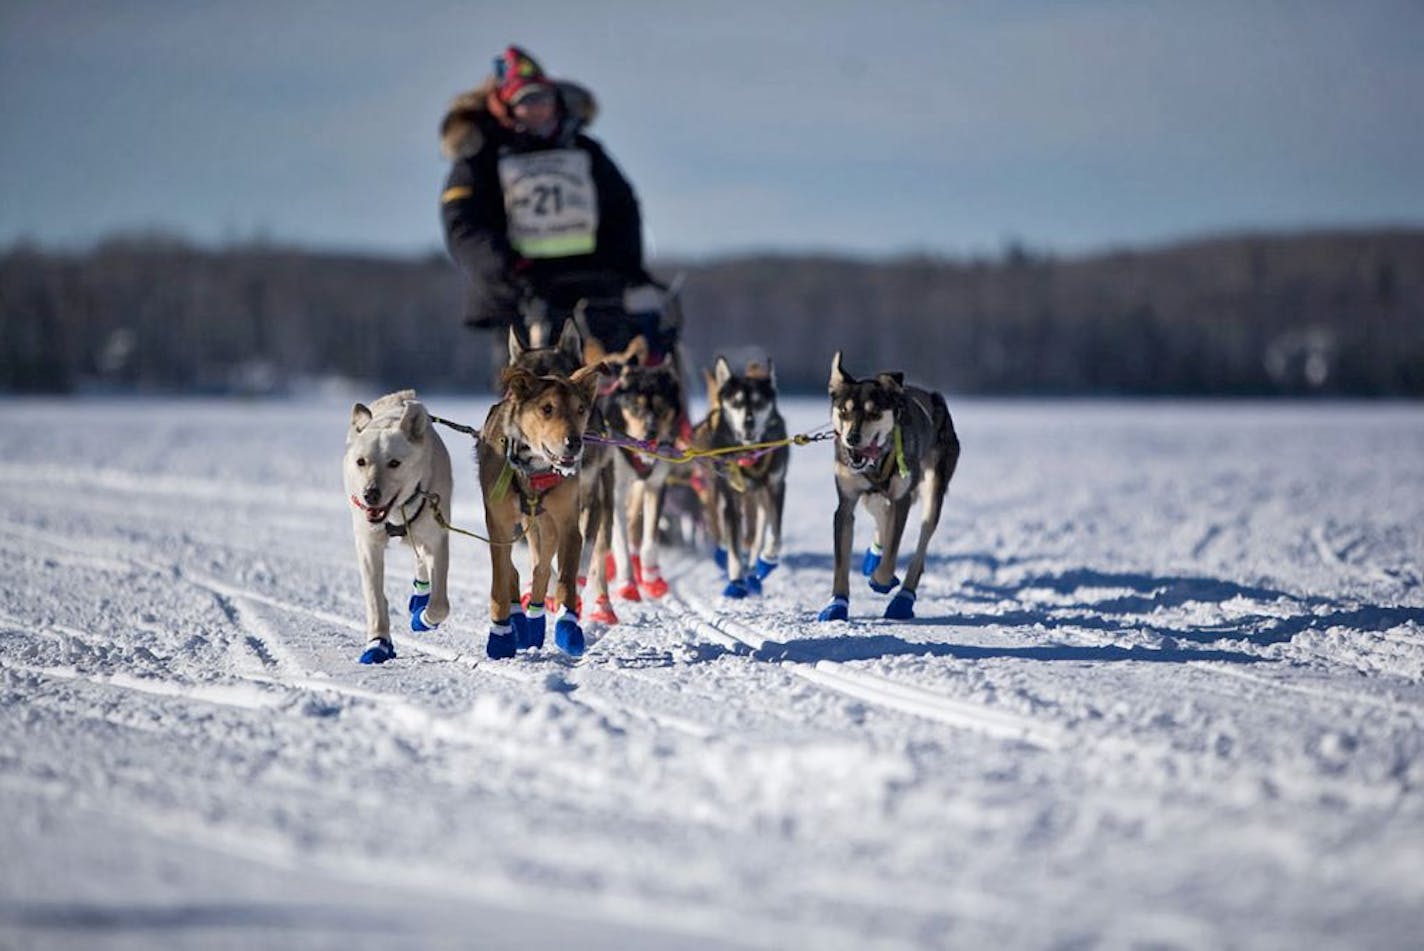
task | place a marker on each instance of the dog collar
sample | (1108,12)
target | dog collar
(399,531)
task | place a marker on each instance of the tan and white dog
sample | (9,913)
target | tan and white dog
(565,358)
(395,468)
(529,457)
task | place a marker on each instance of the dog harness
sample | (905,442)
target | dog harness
(540,484)
(640,467)
(400,531)
(752,465)
(884,471)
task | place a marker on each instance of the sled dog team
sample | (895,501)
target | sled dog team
(574,460)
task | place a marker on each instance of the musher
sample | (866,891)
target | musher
(539,218)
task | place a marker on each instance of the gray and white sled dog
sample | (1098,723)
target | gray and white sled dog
(394,469)
(744,495)
(892,440)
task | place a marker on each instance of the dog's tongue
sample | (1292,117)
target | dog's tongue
(870,453)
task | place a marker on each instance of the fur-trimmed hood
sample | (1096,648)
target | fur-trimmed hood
(462,131)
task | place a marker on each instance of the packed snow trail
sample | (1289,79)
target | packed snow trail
(1166,686)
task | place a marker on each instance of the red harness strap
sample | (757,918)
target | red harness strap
(542,482)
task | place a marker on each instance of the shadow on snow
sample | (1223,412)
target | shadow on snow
(1134,612)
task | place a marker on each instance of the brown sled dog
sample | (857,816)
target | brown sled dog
(564,359)
(892,440)
(529,455)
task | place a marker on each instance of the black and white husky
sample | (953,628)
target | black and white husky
(892,441)
(746,498)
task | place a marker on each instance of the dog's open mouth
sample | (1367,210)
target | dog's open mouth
(865,456)
(376,513)
(564,465)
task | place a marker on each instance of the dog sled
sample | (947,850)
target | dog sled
(607,312)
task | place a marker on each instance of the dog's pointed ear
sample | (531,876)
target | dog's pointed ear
(519,383)
(587,378)
(617,363)
(839,377)
(415,421)
(516,346)
(594,351)
(710,380)
(895,380)
(360,416)
(637,352)
(721,373)
(571,343)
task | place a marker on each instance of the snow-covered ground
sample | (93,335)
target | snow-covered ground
(1166,689)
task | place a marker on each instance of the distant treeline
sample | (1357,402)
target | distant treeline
(1332,313)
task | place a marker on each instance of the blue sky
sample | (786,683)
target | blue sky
(873,128)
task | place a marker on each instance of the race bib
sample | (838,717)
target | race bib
(550,201)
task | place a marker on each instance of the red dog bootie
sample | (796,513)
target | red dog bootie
(652,583)
(603,611)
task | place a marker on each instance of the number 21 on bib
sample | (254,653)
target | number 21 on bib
(551,202)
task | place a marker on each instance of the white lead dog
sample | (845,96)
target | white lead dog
(395,467)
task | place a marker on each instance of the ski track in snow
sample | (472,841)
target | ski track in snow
(1166,688)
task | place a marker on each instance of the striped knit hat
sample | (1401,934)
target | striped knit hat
(518,74)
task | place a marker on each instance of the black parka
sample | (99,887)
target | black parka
(476,227)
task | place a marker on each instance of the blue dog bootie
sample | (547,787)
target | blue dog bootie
(764,567)
(753,583)
(719,555)
(837,610)
(884,588)
(901,607)
(529,627)
(420,596)
(735,589)
(568,635)
(872,559)
(378,651)
(501,642)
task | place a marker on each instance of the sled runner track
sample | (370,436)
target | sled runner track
(402,641)
(227,695)
(868,687)
(1335,696)
(1206,540)
(408,643)
(163,487)
(1333,558)
(253,691)
(228,597)
(239,695)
